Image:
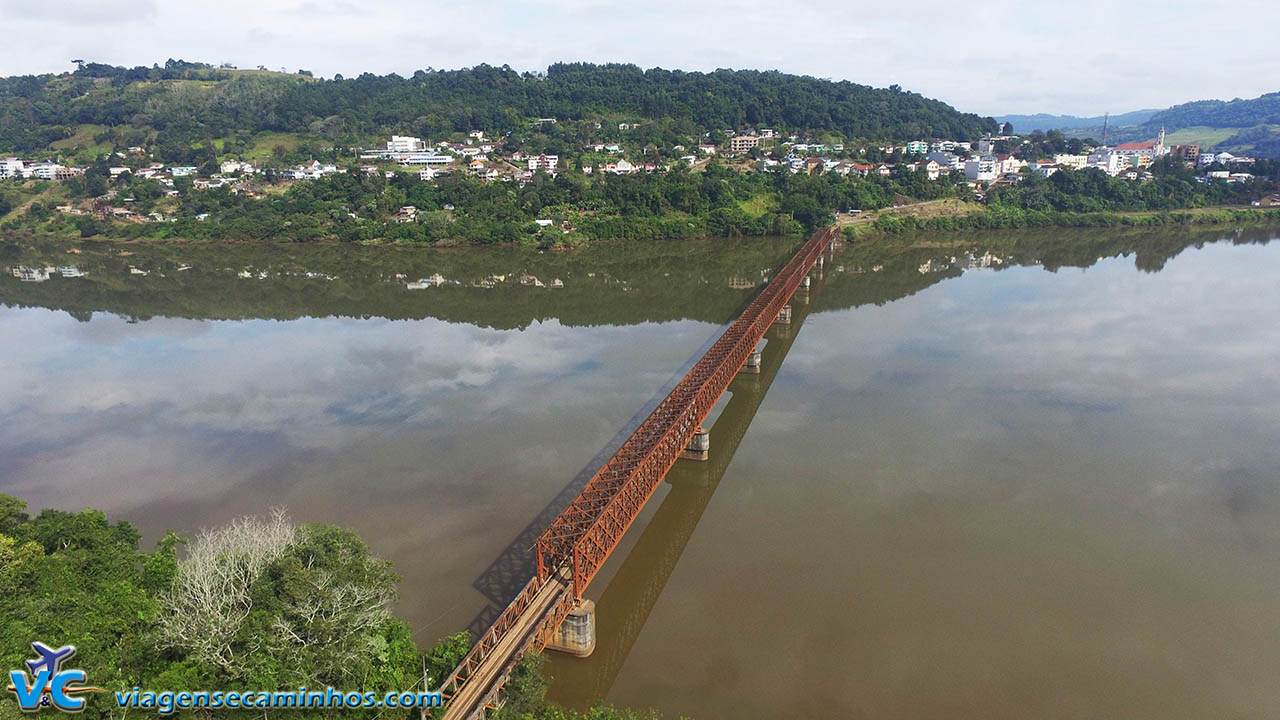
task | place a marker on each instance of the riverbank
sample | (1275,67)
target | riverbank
(1006,218)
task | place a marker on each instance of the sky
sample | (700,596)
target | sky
(1083,57)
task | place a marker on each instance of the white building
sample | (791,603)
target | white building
(983,169)
(405,144)
(1008,164)
(544,162)
(11,167)
(44,170)
(1074,162)
(235,166)
(420,158)
(1109,161)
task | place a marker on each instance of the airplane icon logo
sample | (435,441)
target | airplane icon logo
(49,658)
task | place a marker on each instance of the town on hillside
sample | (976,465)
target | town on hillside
(991,161)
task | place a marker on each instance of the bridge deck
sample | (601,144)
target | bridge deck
(480,690)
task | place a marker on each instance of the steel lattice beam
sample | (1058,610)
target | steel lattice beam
(578,542)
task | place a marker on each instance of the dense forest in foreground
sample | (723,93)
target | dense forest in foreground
(183,102)
(259,604)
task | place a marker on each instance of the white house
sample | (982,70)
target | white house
(235,166)
(932,168)
(944,159)
(544,162)
(1009,164)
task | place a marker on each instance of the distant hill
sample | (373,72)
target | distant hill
(192,103)
(1044,122)
(1248,126)
(1255,123)
(1263,110)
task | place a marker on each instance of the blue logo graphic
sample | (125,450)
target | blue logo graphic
(48,684)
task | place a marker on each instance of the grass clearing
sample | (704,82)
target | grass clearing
(263,145)
(1205,137)
(760,204)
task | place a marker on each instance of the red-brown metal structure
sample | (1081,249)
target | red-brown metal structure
(578,542)
(585,534)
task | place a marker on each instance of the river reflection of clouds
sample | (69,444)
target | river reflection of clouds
(1047,494)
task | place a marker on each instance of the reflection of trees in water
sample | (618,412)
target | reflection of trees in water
(606,283)
(1053,249)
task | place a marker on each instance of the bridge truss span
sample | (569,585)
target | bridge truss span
(583,536)
(578,542)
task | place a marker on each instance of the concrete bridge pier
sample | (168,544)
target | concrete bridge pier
(699,447)
(802,292)
(752,365)
(577,634)
(784,315)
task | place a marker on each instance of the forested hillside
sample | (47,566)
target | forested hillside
(1261,110)
(186,101)
(1258,120)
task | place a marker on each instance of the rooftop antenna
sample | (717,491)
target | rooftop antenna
(1106,117)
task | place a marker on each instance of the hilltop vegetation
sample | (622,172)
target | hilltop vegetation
(1251,126)
(190,104)
(1263,110)
(1256,122)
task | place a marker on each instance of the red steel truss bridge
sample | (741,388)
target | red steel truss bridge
(573,549)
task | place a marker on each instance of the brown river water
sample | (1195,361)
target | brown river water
(998,475)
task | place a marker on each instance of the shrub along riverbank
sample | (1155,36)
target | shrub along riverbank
(571,209)
(999,218)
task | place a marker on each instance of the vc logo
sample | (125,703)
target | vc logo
(48,683)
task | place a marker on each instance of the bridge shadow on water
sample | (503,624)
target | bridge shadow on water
(508,574)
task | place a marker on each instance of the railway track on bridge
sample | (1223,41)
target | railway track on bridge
(573,549)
